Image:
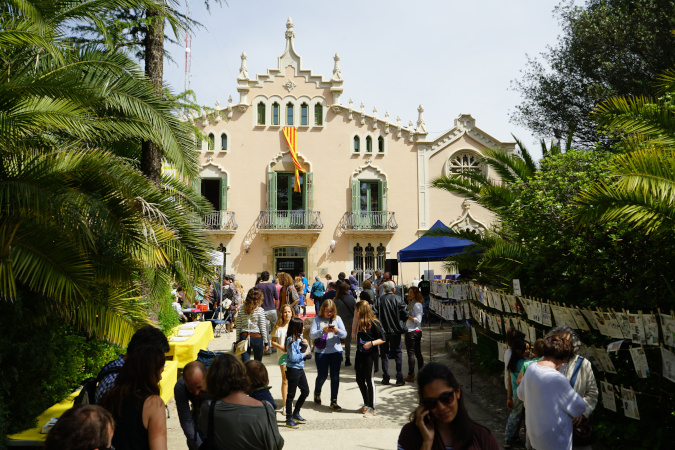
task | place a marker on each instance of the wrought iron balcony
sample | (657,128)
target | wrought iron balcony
(371,220)
(290,220)
(220,220)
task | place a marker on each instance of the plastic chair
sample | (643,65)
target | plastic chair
(218,322)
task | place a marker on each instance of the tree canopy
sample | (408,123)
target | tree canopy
(608,48)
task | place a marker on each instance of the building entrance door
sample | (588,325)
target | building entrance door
(291,260)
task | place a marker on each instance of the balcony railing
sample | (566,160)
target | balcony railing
(372,220)
(290,220)
(220,220)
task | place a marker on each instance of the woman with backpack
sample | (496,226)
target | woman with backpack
(318,289)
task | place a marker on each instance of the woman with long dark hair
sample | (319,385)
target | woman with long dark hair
(369,336)
(134,401)
(441,420)
(345,303)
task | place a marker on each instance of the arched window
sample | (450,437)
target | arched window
(289,114)
(223,142)
(464,162)
(357,144)
(369,261)
(261,113)
(369,144)
(318,114)
(304,112)
(381,256)
(212,141)
(380,144)
(275,113)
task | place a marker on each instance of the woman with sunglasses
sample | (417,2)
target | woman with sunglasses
(441,420)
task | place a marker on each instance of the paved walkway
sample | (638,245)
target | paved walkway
(346,429)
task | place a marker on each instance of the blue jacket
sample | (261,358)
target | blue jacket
(296,357)
(318,289)
(333,344)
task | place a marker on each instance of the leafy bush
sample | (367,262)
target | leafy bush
(42,361)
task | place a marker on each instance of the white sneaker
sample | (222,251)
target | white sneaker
(369,414)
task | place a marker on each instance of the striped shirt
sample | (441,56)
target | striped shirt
(253,323)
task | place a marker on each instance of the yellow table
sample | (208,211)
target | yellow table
(33,438)
(186,351)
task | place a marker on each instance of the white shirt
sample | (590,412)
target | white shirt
(280,335)
(414,325)
(551,404)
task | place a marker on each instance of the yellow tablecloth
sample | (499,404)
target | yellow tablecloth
(186,351)
(33,437)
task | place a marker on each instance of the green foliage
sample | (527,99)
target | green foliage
(167,317)
(608,48)
(42,360)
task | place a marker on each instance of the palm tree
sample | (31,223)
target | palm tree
(640,188)
(80,225)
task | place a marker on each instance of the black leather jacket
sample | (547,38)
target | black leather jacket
(392,312)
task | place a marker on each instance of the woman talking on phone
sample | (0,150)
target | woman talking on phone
(327,331)
(441,420)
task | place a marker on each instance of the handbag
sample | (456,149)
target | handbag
(208,443)
(582,434)
(320,342)
(243,345)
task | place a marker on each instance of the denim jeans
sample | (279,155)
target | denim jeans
(392,349)
(325,361)
(256,346)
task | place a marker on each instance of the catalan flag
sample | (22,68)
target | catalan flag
(291,135)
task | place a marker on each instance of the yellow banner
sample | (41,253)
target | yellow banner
(291,135)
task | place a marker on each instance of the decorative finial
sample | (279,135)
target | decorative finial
(386,116)
(421,126)
(243,70)
(290,34)
(217,104)
(351,103)
(229,101)
(337,73)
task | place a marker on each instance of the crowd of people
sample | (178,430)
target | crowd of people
(227,402)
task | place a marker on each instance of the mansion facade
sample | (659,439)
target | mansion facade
(363,177)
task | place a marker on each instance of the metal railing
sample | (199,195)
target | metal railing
(220,220)
(290,220)
(372,220)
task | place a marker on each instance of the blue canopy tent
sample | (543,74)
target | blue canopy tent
(433,248)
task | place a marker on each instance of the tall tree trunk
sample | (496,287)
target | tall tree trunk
(151,155)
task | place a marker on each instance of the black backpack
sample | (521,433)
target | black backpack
(87,395)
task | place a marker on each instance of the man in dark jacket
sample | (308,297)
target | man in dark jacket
(392,312)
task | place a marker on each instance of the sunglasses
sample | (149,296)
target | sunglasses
(447,398)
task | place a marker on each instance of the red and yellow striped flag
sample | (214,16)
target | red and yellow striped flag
(291,135)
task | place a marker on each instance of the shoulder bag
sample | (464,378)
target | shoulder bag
(242,346)
(582,434)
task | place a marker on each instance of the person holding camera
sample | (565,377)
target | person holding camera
(327,331)
(441,420)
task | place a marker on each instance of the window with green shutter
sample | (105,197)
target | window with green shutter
(212,141)
(271,191)
(304,112)
(369,144)
(275,113)
(289,114)
(223,142)
(357,144)
(318,114)
(380,144)
(261,113)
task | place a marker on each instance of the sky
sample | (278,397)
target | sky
(453,57)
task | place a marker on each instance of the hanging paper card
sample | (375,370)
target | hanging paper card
(506,300)
(600,320)
(622,320)
(532,335)
(500,353)
(522,326)
(498,301)
(500,325)
(502,349)
(579,319)
(668,327)
(490,301)
(474,336)
(588,314)
(651,329)
(614,346)
(557,315)
(608,399)
(595,359)
(668,364)
(546,315)
(536,311)
(630,408)
(604,359)
(459,312)
(637,328)
(466,310)
(613,324)
(640,361)
(568,317)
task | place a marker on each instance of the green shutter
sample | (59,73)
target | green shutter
(356,196)
(309,193)
(271,191)
(223,193)
(318,114)
(383,194)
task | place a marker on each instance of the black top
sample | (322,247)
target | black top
(424,287)
(263,394)
(329,295)
(345,307)
(269,291)
(130,434)
(372,333)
